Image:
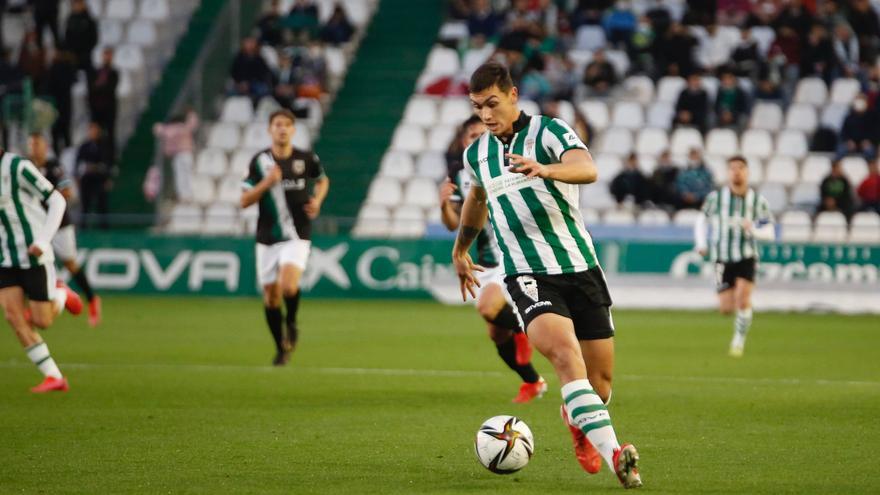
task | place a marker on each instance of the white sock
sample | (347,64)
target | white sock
(60,299)
(39,355)
(586,411)
(743,321)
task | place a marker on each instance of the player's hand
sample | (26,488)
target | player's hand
(447,188)
(274,176)
(465,268)
(35,250)
(747,225)
(702,252)
(312,208)
(526,166)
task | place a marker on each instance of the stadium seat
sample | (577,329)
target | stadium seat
(639,88)
(845,90)
(249,218)
(397,164)
(717,165)
(796,227)
(229,190)
(530,107)
(686,218)
(110,32)
(221,219)
(129,57)
(710,84)
(567,113)
(608,166)
(442,61)
(766,116)
(764,37)
(407,222)
(805,197)
(452,30)
(792,143)
(830,228)
(408,138)
(833,116)
(722,142)
(628,115)
(385,191)
(96,8)
(758,142)
(421,111)
(431,165)
(211,162)
(591,216)
(373,221)
(238,110)
(336,62)
(120,9)
(660,115)
(865,228)
(265,107)
(855,168)
(421,192)
(801,117)
(651,141)
(782,170)
(596,113)
(454,111)
(154,10)
(811,90)
(684,139)
(224,136)
(776,196)
(270,55)
(439,137)
(617,141)
(619,60)
(756,169)
(302,138)
(185,219)
(143,33)
(669,88)
(241,161)
(653,217)
(256,135)
(596,196)
(618,217)
(204,192)
(580,59)
(589,37)
(815,168)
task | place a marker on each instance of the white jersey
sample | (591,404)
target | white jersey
(23,190)
(537,222)
(729,242)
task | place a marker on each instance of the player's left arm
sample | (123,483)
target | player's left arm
(764,228)
(320,190)
(574,164)
(35,183)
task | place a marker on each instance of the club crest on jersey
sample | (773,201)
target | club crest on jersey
(529,286)
(299,166)
(530,147)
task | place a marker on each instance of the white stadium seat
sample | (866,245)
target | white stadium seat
(408,138)
(142,32)
(421,192)
(110,32)
(385,191)
(229,190)
(590,38)
(656,218)
(420,111)
(442,61)
(619,60)
(204,192)
(454,111)
(811,90)
(792,143)
(397,165)
(776,196)
(686,218)
(336,62)
(660,115)
(120,9)
(608,166)
(373,221)
(617,141)
(669,88)
(766,116)
(805,196)
(628,115)
(302,138)
(845,90)
(407,221)
(154,10)
(815,168)
(240,163)
(833,116)
(439,137)
(855,168)
(596,196)
(265,107)
(530,107)
(684,139)
(238,110)
(221,219)
(618,217)
(652,141)
(782,170)
(224,136)
(431,165)
(639,88)
(596,113)
(801,117)
(722,142)
(211,162)
(756,169)
(796,226)
(865,228)
(185,219)
(764,37)
(830,228)
(256,135)
(758,142)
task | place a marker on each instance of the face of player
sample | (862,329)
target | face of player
(738,173)
(471,134)
(37,148)
(281,129)
(497,109)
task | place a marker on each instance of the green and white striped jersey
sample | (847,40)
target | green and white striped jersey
(23,191)
(728,241)
(488,252)
(536,221)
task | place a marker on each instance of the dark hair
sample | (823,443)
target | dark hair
(738,158)
(491,74)
(283,112)
(37,135)
(473,119)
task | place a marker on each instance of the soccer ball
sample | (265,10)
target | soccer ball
(504,444)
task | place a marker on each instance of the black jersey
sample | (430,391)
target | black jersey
(53,171)
(282,214)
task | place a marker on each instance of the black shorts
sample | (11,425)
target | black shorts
(727,273)
(582,297)
(34,281)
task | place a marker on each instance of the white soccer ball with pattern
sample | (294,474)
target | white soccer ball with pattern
(504,444)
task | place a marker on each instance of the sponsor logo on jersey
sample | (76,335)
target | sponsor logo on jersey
(529,286)
(570,138)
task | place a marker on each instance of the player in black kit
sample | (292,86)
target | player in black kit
(278,180)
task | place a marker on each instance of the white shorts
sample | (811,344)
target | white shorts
(271,257)
(493,275)
(64,243)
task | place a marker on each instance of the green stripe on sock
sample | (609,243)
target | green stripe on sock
(41,361)
(595,426)
(587,409)
(578,393)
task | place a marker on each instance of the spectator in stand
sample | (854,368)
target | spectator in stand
(458,9)
(859,132)
(714,50)
(176,138)
(338,29)
(733,12)
(285,86)
(746,59)
(836,192)
(692,106)
(310,71)
(662,185)
(60,79)
(589,12)
(796,17)
(32,59)
(10,83)
(302,20)
(46,16)
(2,12)
(817,56)
(674,52)
(869,189)
(271,26)
(251,75)
(619,23)
(630,183)
(599,76)
(768,89)
(81,34)
(94,169)
(694,183)
(533,85)
(866,25)
(483,20)
(731,102)
(102,97)
(763,13)
(846,48)
(785,52)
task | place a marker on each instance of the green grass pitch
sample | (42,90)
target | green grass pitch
(176,396)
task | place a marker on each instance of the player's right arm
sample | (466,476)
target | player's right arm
(450,211)
(474,212)
(700,226)
(255,185)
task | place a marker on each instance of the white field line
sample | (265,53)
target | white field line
(441,373)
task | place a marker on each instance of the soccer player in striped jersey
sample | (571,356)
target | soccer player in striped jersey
(525,172)
(492,301)
(64,242)
(278,179)
(739,217)
(30,213)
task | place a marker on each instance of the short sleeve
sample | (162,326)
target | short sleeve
(58,177)
(557,138)
(315,170)
(763,214)
(458,195)
(253,176)
(34,181)
(469,157)
(710,203)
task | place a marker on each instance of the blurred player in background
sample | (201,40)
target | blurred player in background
(739,217)
(278,180)
(492,301)
(525,174)
(64,242)
(30,213)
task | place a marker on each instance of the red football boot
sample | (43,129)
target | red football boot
(95,311)
(51,384)
(586,454)
(523,348)
(529,391)
(74,304)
